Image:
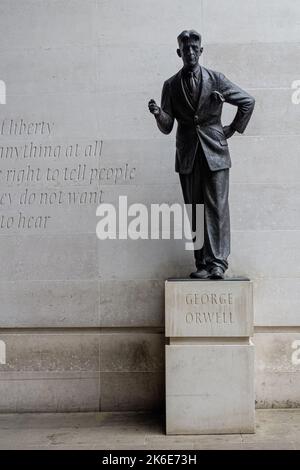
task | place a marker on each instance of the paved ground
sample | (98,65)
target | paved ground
(275,429)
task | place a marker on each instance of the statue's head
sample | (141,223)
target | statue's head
(190,50)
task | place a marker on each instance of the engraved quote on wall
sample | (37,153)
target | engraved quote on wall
(40,176)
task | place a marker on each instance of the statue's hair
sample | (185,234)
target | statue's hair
(187,35)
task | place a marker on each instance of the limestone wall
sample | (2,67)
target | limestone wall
(82,320)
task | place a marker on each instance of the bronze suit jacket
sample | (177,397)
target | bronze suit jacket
(203,123)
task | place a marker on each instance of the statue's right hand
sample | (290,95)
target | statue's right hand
(153,107)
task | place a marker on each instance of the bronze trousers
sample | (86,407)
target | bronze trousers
(210,188)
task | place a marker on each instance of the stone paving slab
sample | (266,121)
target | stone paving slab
(275,429)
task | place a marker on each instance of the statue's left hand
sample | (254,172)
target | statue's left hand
(228,131)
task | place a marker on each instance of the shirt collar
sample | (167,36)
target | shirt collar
(197,71)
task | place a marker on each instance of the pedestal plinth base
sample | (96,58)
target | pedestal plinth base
(209,388)
(209,357)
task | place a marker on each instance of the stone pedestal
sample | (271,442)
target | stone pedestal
(209,356)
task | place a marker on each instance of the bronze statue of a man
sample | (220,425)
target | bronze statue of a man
(194,97)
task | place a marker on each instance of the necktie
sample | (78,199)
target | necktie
(192,83)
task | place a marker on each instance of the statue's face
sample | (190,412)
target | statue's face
(190,53)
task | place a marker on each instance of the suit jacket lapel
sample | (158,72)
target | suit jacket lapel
(179,92)
(205,89)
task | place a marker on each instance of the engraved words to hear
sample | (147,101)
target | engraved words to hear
(209,307)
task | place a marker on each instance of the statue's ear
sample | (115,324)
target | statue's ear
(178,52)
(201,50)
